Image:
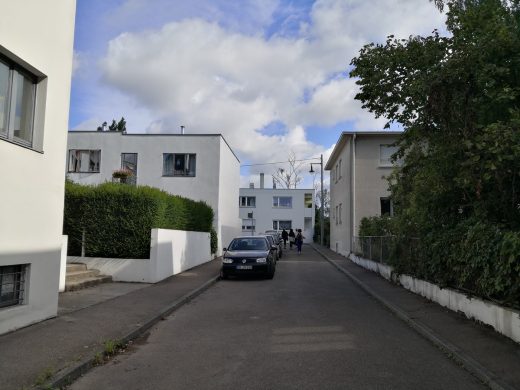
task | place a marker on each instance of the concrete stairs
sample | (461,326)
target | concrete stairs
(79,277)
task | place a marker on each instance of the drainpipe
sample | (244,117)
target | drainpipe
(353,192)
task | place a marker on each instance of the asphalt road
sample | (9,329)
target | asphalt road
(308,328)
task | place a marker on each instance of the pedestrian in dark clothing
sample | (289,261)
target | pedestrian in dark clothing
(292,237)
(285,237)
(299,240)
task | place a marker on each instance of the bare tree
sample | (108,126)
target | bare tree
(289,177)
(326,199)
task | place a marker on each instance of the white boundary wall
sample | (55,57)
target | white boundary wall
(171,252)
(503,320)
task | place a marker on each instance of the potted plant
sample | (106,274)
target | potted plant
(122,175)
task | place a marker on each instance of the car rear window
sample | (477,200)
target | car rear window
(248,244)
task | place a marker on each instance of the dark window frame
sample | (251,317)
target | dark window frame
(173,174)
(84,150)
(18,283)
(9,134)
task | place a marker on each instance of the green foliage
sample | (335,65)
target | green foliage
(117,219)
(376,226)
(457,194)
(317,228)
(213,240)
(115,126)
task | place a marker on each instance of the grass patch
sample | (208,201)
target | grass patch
(44,376)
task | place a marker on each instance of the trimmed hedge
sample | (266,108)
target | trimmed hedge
(482,259)
(117,218)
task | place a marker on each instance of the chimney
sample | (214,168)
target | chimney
(262,180)
(182,129)
(251,185)
(274,184)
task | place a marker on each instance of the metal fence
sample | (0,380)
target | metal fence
(376,248)
(380,248)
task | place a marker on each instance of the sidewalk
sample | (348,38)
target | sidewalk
(492,353)
(78,333)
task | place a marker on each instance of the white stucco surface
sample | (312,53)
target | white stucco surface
(63,263)
(216,179)
(504,320)
(32,182)
(264,213)
(171,252)
(359,186)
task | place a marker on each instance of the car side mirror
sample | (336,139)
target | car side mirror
(224,249)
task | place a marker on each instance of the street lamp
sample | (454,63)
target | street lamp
(322,226)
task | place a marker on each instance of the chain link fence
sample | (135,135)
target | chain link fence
(380,248)
(375,248)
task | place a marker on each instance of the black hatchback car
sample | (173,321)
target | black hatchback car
(249,255)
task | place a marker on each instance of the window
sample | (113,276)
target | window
(280,225)
(282,201)
(385,155)
(386,206)
(248,224)
(12,285)
(339,169)
(340,212)
(129,162)
(84,161)
(247,201)
(17,103)
(249,243)
(307,201)
(336,214)
(176,164)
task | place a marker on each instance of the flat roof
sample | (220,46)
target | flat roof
(277,189)
(157,135)
(346,134)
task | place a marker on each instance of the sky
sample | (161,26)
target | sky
(270,75)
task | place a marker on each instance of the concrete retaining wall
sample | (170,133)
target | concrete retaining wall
(504,320)
(172,252)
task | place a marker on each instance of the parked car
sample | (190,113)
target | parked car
(249,255)
(277,241)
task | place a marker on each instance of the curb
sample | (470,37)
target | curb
(69,375)
(469,364)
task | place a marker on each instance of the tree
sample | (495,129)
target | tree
(115,126)
(458,98)
(290,177)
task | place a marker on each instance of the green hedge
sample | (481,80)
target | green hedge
(482,259)
(117,218)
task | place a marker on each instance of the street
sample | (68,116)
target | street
(308,328)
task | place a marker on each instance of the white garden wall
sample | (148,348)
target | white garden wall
(171,252)
(504,320)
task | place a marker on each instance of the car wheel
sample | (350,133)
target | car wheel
(223,275)
(270,275)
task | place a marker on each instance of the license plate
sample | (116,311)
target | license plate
(244,267)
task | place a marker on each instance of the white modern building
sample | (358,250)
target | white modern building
(196,166)
(36,47)
(263,209)
(358,165)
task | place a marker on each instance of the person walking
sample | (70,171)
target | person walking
(292,237)
(299,240)
(285,237)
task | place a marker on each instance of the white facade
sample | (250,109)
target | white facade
(172,252)
(358,165)
(36,46)
(211,173)
(275,208)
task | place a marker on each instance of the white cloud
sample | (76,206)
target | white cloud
(211,77)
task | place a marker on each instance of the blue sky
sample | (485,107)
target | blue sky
(270,75)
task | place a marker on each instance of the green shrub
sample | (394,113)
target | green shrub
(117,219)
(376,226)
(213,240)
